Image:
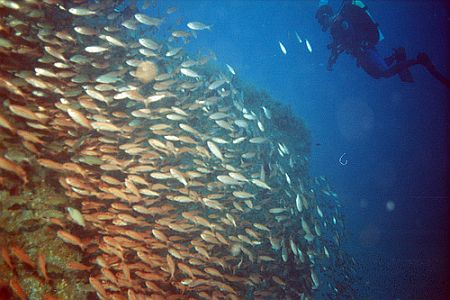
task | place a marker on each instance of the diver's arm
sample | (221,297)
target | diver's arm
(332,60)
(336,50)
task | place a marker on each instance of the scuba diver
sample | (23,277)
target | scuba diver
(354,32)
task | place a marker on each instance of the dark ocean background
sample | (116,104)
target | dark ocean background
(395,135)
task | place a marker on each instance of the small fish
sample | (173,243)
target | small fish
(240,177)
(215,150)
(159,235)
(325,250)
(97,285)
(10,166)
(278,210)
(261,184)
(258,140)
(278,280)
(283,49)
(171,265)
(267,112)
(298,203)
(308,46)
(76,216)
(76,266)
(85,30)
(95,49)
(70,238)
(284,253)
(79,118)
(112,40)
(144,19)
(298,37)
(198,26)
(288,179)
(23,112)
(216,84)
(315,280)
(6,124)
(7,258)
(104,126)
(21,255)
(227,180)
(180,34)
(173,52)
(260,126)
(81,11)
(42,266)
(149,43)
(243,195)
(189,73)
(17,289)
(261,227)
(230,68)
(171,10)
(178,176)
(319,212)
(44,72)
(130,24)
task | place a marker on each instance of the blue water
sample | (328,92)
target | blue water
(394,135)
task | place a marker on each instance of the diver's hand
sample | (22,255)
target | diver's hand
(331,61)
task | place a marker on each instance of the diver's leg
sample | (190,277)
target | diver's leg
(424,60)
(372,63)
(401,68)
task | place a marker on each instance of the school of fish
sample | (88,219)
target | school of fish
(176,188)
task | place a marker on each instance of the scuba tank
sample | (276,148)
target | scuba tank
(363,6)
(366,29)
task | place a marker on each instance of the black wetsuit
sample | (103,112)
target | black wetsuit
(354,32)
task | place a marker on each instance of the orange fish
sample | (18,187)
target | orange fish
(171,265)
(79,118)
(29,136)
(70,239)
(75,168)
(109,275)
(6,124)
(131,295)
(17,288)
(50,164)
(126,272)
(31,147)
(23,112)
(8,165)
(42,267)
(97,285)
(22,256)
(7,258)
(76,266)
(57,222)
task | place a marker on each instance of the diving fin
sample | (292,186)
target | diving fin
(424,59)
